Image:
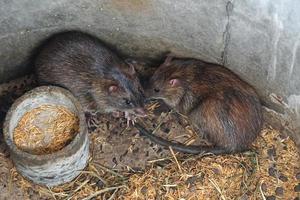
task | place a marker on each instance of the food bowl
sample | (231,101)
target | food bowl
(51,168)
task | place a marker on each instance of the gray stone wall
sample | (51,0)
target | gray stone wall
(258,39)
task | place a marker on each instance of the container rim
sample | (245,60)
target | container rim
(68,149)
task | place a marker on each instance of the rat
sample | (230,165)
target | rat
(221,106)
(96,76)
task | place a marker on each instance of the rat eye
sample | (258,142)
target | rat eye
(156,90)
(127,101)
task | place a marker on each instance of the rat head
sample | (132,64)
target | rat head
(167,83)
(122,91)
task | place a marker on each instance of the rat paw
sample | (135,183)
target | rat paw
(91,121)
(131,118)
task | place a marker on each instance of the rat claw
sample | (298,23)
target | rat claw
(128,123)
(130,118)
(126,114)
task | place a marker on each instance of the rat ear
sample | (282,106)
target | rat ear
(169,59)
(113,88)
(132,69)
(175,82)
(131,66)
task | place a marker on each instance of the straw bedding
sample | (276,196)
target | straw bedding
(125,166)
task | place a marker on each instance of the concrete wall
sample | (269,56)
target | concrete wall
(258,39)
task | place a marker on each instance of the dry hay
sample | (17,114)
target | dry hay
(270,171)
(46,129)
(240,176)
(96,180)
(279,165)
(246,176)
(12,90)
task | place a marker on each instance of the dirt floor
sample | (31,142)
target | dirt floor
(123,165)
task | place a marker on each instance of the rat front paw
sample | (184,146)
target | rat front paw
(130,118)
(91,121)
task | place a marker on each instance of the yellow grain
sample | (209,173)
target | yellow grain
(61,126)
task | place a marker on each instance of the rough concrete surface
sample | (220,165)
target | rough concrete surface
(259,40)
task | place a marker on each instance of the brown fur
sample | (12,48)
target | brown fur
(83,64)
(217,102)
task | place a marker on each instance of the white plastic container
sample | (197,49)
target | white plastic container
(61,166)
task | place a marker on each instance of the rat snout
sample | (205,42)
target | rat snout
(140,112)
(149,93)
(147,100)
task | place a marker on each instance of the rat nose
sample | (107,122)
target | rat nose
(156,90)
(148,100)
(141,112)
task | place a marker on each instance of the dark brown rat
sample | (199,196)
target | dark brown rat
(91,71)
(216,101)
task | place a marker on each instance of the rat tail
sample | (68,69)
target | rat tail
(191,149)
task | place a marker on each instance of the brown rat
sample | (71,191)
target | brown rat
(216,101)
(91,71)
